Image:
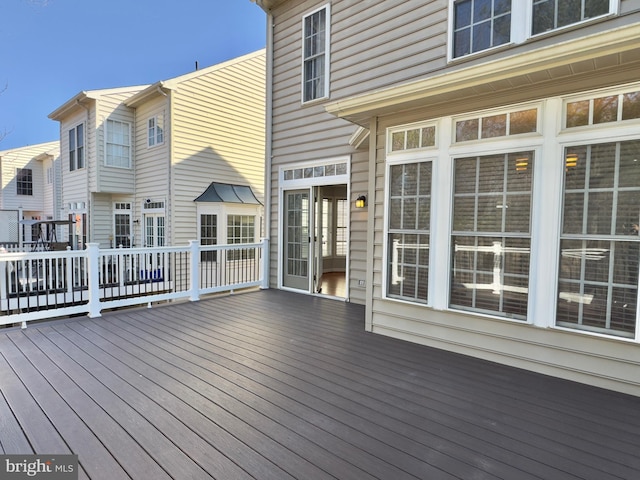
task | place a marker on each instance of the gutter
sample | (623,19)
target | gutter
(268,133)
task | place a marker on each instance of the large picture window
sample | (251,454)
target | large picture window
(315,65)
(408,231)
(118,145)
(599,245)
(490,238)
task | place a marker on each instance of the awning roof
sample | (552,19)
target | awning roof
(227,193)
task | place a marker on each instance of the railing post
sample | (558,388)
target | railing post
(93,271)
(194,274)
(265,264)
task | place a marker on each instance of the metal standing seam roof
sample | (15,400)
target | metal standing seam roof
(227,193)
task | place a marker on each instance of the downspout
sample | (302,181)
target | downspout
(268,137)
(89,206)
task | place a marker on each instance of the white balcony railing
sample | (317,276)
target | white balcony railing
(39,285)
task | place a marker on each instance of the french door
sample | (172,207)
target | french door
(296,256)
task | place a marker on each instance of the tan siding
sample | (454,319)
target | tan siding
(101,223)
(217,135)
(74,183)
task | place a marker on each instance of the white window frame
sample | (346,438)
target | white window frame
(327,63)
(155,132)
(109,158)
(521,26)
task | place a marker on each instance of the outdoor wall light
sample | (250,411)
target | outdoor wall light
(361,201)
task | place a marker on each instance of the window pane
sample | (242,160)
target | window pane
(465,175)
(578,113)
(525,121)
(462,43)
(428,137)
(569,11)
(575,159)
(397,141)
(543,16)
(605,109)
(599,213)
(631,105)
(464,209)
(628,213)
(573,213)
(467,130)
(481,36)
(462,14)
(629,164)
(494,126)
(594,8)
(603,165)
(491,174)
(413,138)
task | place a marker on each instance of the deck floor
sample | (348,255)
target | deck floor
(271,385)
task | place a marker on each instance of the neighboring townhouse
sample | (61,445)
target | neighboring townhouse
(30,185)
(137,158)
(495,148)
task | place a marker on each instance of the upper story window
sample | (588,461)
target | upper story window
(118,145)
(412,138)
(551,14)
(315,55)
(76,147)
(155,130)
(479,25)
(24,181)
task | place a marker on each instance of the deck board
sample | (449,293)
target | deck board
(273,385)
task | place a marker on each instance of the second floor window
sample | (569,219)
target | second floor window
(24,181)
(155,131)
(479,25)
(76,147)
(118,147)
(315,68)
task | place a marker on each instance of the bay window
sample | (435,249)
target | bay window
(539,223)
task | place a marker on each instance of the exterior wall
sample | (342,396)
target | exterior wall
(391,44)
(217,134)
(152,172)
(75,183)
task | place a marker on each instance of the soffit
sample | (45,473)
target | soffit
(605,57)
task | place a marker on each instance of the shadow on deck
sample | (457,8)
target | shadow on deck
(274,385)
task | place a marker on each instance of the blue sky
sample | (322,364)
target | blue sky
(51,50)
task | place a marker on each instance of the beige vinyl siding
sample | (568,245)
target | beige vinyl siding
(217,134)
(101,219)
(106,178)
(74,183)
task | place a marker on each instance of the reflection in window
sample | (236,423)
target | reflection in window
(491,126)
(552,14)
(491,234)
(611,108)
(408,231)
(598,280)
(480,24)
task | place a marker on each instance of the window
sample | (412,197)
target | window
(240,229)
(315,64)
(553,14)
(118,144)
(122,224)
(208,236)
(497,125)
(76,147)
(599,244)
(49,175)
(408,231)
(24,181)
(342,217)
(155,130)
(490,238)
(479,25)
(413,138)
(604,109)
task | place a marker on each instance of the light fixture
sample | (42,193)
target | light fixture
(571,160)
(361,201)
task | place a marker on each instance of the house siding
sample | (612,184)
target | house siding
(377,45)
(217,125)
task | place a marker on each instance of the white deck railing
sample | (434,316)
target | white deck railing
(39,285)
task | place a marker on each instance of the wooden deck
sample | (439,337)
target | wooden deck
(274,385)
